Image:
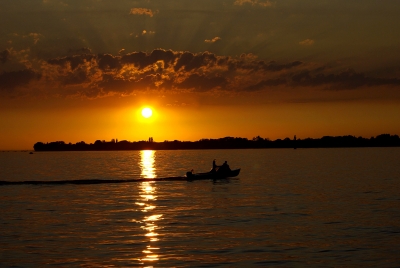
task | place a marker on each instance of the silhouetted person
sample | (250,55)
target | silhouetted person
(224,168)
(215,167)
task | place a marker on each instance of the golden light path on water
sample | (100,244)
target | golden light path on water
(148,196)
(147,159)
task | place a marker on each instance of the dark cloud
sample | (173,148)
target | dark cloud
(274,66)
(189,61)
(4,56)
(348,79)
(203,83)
(345,80)
(124,86)
(142,59)
(79,77)
(107,61)
(103,74)
(11,80)
(266,83)
(257,65)
(167,56)
(72,61)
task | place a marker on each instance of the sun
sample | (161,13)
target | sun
(147,112)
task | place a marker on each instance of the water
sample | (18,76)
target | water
(287,208)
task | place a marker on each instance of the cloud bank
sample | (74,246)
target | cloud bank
(96,75)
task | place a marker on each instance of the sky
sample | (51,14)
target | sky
(82,70)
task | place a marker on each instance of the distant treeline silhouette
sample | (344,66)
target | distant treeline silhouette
(383,140)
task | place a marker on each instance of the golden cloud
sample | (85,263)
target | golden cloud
(144,32)
(215,39)
(35,36)
(142,11)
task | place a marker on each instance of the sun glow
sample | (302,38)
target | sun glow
(147,112)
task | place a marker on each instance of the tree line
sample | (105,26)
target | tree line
(383,140)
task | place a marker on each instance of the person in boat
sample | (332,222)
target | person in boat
(214,167)
(224,168)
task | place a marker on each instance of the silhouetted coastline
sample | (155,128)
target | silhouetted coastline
(383,140)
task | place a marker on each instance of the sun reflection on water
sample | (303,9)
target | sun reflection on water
(148,197)
(147,163)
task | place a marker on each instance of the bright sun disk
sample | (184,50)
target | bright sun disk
(147,112)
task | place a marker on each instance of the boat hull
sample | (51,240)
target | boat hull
(212,175)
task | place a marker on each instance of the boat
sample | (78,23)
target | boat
(212,175)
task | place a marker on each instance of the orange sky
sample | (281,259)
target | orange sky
(22,127)
(242,68)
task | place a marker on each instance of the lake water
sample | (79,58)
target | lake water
(287,208)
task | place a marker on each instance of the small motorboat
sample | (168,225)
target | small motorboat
(212,175)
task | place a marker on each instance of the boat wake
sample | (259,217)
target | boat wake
(92,181)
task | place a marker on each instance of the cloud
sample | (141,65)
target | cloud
(142,11)
(307,42)
(347,79)
(14,79)
(200,82)
(266,3)
(215,39)
(190,61)
(96,75)
(35,36)
(72,62)
(144,32)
